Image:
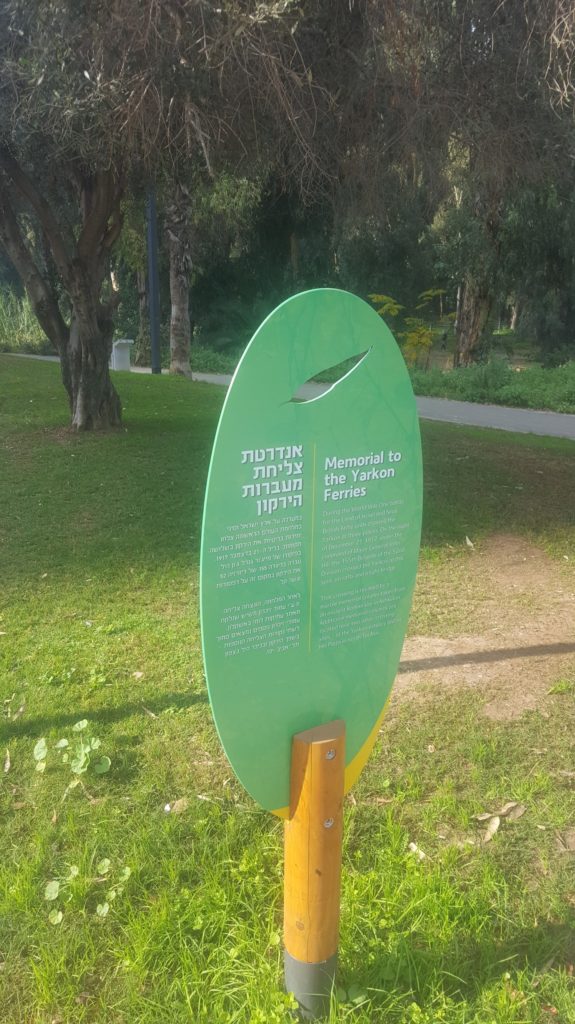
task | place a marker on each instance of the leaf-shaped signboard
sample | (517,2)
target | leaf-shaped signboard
(310,538)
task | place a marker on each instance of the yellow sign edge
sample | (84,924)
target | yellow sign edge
(355,766)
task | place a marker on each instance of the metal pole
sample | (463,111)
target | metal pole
(153,280)
(313,840)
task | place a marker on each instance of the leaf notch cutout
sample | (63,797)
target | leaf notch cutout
(307,392)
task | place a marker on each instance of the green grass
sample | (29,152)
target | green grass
(98,560)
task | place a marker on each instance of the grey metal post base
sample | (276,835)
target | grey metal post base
(311,984)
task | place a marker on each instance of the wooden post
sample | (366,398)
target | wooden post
(313,841)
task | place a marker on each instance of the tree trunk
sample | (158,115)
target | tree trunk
(143,353)
(473,310)
(94,401)
(178,233)
(180,328)
(82,262)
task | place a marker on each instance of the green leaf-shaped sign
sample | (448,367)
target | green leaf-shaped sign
(310,538)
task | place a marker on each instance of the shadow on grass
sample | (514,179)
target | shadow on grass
(149,709)
(479,657)
(462,967)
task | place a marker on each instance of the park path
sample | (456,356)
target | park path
(521,421)
(472,414)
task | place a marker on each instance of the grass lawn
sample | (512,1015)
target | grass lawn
(166,917)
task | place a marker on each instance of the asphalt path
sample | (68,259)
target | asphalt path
(471,414)
(499,417)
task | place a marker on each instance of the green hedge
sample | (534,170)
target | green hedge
(496,382)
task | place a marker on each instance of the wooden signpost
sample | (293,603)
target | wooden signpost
(310,545)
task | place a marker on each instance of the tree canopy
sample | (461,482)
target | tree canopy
(423,132)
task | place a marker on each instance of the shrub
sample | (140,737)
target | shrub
(19,328)
(496,382)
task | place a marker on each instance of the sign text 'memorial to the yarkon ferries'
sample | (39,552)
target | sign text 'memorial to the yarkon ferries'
(310,538)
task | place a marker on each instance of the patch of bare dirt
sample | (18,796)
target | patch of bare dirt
(527,638)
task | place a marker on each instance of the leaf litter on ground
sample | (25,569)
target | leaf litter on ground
(510,811)
(566,843)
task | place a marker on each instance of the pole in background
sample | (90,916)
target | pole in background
(313,844)
(153,280)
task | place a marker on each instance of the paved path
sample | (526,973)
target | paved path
(522,421)
(499,417)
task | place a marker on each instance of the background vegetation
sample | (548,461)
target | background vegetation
(418,152)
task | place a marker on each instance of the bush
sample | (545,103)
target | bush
(206,360)
(496,382)
(19,328)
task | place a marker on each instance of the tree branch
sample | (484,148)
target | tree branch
(61,252)
(42,298)
(114,228)
(105,192)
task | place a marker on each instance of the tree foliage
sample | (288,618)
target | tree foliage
(382,146)
(121,90)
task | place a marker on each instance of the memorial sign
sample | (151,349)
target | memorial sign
(310,538)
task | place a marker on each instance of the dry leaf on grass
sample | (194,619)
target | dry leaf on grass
(491,829)
(507,808)
(516,812)
(7,762)
(179,806)
(512,810)
(565,843)
(414,848)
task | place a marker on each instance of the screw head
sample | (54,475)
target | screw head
(330,755)
(328,823)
